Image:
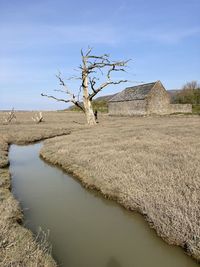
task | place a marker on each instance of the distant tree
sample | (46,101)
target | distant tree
(191,85)
(190,94)
(90,69)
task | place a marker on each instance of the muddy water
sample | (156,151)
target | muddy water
(85,229)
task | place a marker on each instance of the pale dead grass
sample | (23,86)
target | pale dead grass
(18,247)
(148,164)
(25,130)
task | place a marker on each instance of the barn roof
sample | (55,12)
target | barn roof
(138,92)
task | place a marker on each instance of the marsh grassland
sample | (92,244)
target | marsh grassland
(147,164)
(18,247)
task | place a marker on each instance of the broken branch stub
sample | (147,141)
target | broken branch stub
(38,118)
(9,117)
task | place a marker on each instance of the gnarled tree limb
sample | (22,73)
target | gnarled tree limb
(96,91)
(77,103)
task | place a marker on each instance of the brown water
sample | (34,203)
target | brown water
(86,230)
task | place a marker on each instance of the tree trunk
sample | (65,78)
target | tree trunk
(89,112)
(86,100)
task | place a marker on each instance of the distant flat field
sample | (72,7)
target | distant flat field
(148,164)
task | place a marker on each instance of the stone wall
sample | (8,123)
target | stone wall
(158,100)
(127,108)
(180,108)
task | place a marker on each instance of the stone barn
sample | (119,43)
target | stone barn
(145,99)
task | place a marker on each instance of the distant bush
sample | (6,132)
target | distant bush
(190,94)
(196,109)
(99,105)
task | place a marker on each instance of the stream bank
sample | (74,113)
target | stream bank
(152,164)
(152,168)
(85,228)
(18,246)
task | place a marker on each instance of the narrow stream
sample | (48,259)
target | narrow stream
(86,230)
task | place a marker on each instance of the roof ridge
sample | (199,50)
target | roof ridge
(141,85)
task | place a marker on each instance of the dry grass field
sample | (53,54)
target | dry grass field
(18,247)
(148,164)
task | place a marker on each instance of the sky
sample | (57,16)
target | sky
(42,37)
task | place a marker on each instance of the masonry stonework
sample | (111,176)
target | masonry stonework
(145,99)
(158,100)
(128,108)
(180,108)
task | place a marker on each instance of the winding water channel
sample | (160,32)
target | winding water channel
(86,230)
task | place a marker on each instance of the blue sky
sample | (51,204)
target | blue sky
(41,37)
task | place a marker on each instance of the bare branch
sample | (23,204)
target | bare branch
(62,83)
(103,57)
(78,104)
(66,90)
(105,85)
(112,66)
(57,99)
(60,90)
(66,101)
(103,64)
(74,77)
(92,83)
(89,51)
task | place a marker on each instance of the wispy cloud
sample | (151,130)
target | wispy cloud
(27,35)
(21,36)
(161,35)
(171,36)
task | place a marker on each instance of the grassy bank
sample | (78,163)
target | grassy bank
(18,246)
(148,164)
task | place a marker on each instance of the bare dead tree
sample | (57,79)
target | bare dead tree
(90,68)
(193,85)
(9,116)
(38,118)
